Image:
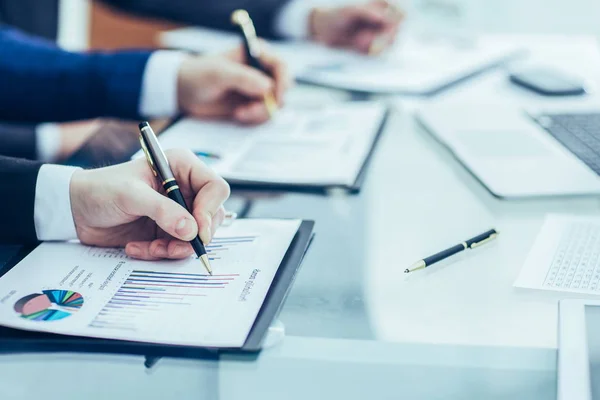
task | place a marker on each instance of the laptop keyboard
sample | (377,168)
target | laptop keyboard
(580,133)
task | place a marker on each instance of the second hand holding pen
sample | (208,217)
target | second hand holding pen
(160,168)
(253,51)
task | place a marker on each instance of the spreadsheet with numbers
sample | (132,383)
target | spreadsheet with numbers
(565,256)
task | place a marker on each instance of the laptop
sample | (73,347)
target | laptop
(518,154)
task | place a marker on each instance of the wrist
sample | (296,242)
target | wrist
(78,189)
(185,84)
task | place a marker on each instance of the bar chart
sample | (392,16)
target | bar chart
(146,293)
(147,297)
(232,247)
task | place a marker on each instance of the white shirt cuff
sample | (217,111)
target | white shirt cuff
(48,142)
(52,207)
(159,85)
(293,19)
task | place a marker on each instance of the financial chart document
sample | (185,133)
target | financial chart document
(307,146)
(71,289)
(565,256)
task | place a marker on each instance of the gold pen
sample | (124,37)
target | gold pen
(253,51)
(472,243)
(162,171)
(380,42)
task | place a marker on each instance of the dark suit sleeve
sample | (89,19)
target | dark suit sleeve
(41,82)
(208,13)
(37,17)
(19,179)
(18,141)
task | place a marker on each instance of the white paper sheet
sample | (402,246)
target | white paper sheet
(72,289)
(313,146)
(565,256)
(414,66)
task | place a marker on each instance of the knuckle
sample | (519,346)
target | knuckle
(180,154)
(161,211)
(224,188)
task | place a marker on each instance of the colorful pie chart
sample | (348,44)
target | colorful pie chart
(50,305)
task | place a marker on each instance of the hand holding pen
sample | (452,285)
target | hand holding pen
(161,169)
(224,87)
(255,55)
(125,206)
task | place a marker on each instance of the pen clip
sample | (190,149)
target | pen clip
(148,158)
(484,241)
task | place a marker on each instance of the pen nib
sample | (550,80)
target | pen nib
(206,263)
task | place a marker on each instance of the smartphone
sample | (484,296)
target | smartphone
(548,82)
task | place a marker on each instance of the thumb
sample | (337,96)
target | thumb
(367,15)
(168,215)
(246,80)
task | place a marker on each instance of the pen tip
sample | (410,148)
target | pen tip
(206,263)
(406,271)
(271,104)
(143,124)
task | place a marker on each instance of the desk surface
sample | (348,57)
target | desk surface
(457,330)
(417,200)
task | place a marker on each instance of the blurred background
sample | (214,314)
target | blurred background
(87,24)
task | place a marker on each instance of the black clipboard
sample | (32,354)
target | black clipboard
(354,188)
(20,341)
(437,89)
(86,157)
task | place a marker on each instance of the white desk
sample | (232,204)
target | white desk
(470,301)
(299,369)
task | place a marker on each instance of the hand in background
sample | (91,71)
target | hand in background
(223,87)
(123,205)
(73,135)
(368,28)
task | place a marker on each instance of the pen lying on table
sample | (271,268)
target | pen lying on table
(160,168)
(472,243)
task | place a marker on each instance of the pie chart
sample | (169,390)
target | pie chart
(50,305)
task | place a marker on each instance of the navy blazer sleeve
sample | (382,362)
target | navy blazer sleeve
(19,178)
(18,141)
(209,13)
(41,82)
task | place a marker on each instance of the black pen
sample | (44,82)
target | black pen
(160,168)
(253,50)
(472,243)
